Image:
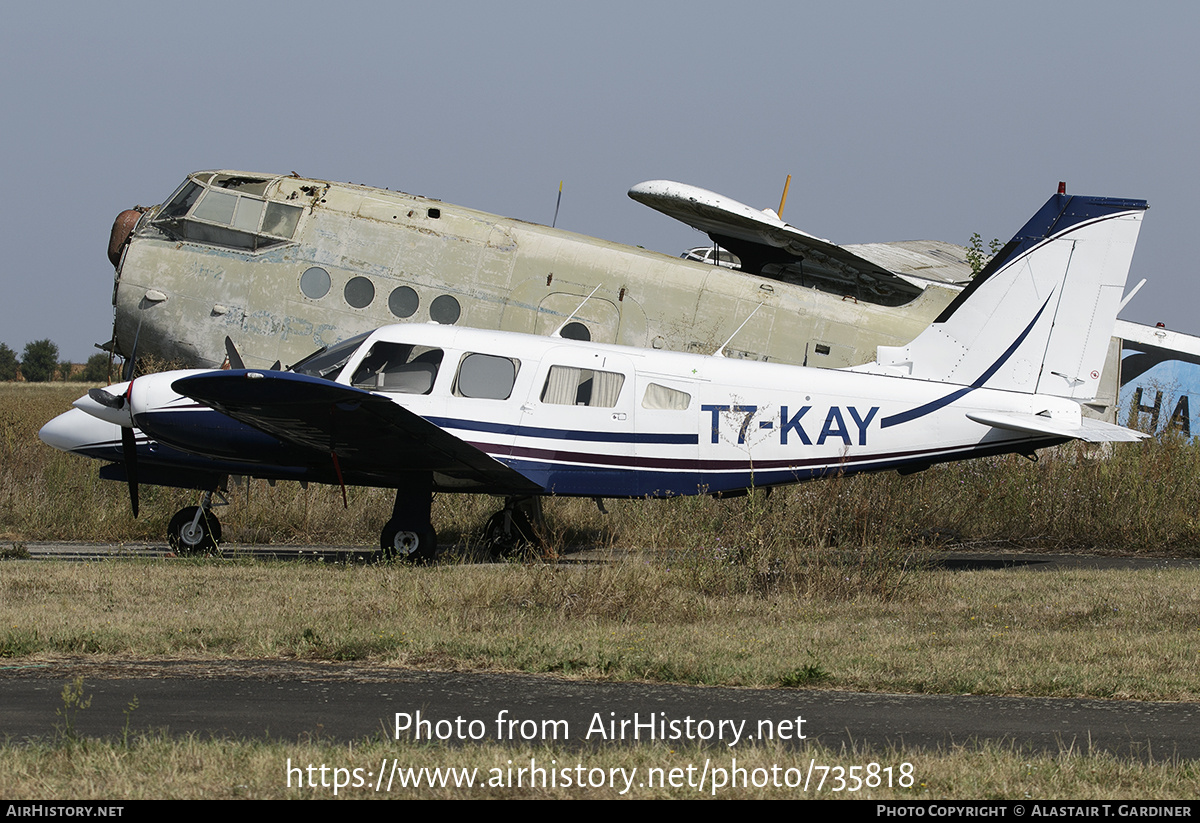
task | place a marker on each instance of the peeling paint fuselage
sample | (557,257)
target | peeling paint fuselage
(357,258)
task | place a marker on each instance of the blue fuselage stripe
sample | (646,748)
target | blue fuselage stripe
(564,434)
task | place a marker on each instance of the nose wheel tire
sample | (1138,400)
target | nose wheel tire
(398,542)
(188,535)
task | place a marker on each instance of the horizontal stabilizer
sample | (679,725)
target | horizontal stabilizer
(1087,430)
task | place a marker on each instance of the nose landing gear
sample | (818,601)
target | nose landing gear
(195,529)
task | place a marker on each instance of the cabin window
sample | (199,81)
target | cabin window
(403,302)
(328,362)
(359,292)
(216,207)
(486,376)
(315,282)
(445,310)
(181,202)
(663,397)
(576,331)
(398,367)
(570,386)
(281,220)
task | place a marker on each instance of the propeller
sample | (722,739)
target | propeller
(122,230)
(235,359)
(121,402)
(128,440)
(125,401)
(129,450)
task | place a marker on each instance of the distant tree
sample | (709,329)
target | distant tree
(64,370)
(96,369)
(8,363)
(39,362)
(976,258)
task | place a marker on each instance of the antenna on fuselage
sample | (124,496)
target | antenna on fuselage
(557,203)
(783,200)
(558,332)
(721,351)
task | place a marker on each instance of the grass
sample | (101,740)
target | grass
(985,632)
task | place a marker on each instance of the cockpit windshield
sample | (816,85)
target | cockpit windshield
(228,210)
(328,362)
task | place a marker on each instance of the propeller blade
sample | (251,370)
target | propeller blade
(129,450)
(109,401)
(132,361)
(235,359)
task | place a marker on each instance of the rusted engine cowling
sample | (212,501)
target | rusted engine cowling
(122,228)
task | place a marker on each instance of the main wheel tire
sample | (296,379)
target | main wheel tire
(202,538)
(506,542)
(415,546)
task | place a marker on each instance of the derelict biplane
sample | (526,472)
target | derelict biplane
(284,265)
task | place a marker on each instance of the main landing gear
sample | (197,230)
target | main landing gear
(195,529)
(515,527)
(409,535)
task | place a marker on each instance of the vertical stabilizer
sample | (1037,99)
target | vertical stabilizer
(1039,317)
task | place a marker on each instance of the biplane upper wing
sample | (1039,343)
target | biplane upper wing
(760,238)
(716,214)
(369,433)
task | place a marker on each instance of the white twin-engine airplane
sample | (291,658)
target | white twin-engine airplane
(425,408)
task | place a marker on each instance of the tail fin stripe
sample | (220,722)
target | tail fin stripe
(921,411)
(1002,359)
(934,405)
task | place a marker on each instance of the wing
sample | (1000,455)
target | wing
(371,435)
(716,214)
(770,247)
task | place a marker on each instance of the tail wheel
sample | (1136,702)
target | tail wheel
(188,534)
(397,542)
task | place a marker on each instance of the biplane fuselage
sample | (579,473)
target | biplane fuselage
(284,265)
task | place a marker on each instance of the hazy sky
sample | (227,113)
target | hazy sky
(897,121)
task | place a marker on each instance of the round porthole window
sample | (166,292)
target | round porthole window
(403,302)
(445,310)
(576,331)
(359,292)
(314,283)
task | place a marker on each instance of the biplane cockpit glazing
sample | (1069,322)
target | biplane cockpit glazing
(229,210)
